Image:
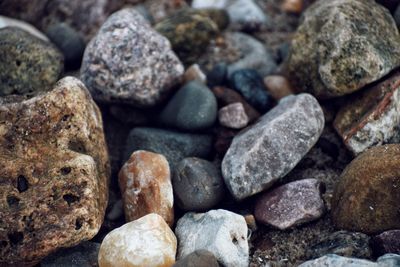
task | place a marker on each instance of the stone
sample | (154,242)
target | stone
(198,184)
(199,258)
(147,241)
(338,47)
(128,62)
(223,139)
(173,145)
(251,86)
(26,10)
(278,86)
(145,183)
(28,64)
(54,171)
(269,149)
(217,76)
(387,242)
(371,117)
(222,232)
(291,204)
(233,116)
(332,260)
(162,9)
(194,73)
(193,107)
(9,22)
(293,6)
(367,195)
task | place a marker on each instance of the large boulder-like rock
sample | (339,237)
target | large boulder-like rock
(54,172)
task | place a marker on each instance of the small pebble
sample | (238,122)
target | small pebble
(233,116)
(278,86)
(199,258)
(194,73)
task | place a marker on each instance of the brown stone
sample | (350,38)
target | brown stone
(278,86)
(194,73)
(54,172)
(367,195)
(145,184)
(293,6)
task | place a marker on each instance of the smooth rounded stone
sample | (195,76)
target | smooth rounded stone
(194,73)
(145,183)
(129,62)
(69,42)
(147,241)
(371,117)
(291,204)
(193,107)
(54,171)
(269,149)
(293,6)
(341,46)
(28,64)
(175,146)
(9,22)
(278,86)
(367,195)
(198,184)
(223,139)
(233,116)
(221,232)
(332,260)
(387,242)
(83,255)
(199,258)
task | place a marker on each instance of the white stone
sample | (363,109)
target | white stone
(9,22)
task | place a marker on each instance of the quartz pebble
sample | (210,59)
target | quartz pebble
(199,258)
(233,116)
(278,86)
(293,6)
(387,242)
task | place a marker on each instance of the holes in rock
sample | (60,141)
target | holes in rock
(22,184)
(65,170)
(78,223)
(65,117)
(69,198)
(16,238)
(13,201)
(77,146)
(18,62)
(235,241)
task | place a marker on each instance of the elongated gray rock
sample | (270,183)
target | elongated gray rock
(269,149)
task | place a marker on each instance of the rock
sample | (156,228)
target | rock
(372,116)
(269,149)
(233,116)
(222,232)
(367,195)
(293,6)
(223,139)
(291,204)
(332,260)
(387,242)
(278,86)
(147,241)
(199,258)
(250,85)
(161,9)
(117,211)
(28,64)
(83,255)
(128,62)
(194,73)
(69,42)
(217,76)
(26,10)
(198,184)
(9,22)
(55,170)
(174,146)
(193,107)
(251,222)
(338,48)
(145,183)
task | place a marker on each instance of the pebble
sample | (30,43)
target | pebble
(387,242)
(199,258)
(145,183)
(278,86)
(233,116)
(193,107)
(198,184)
(341,46)
(371,117)
(147,241)
(367,195)
(10,22)
(293,6)
(291,204)
(332,260)
(194,73)
(222,232)
(217,76)
(55,169)
(162,9)
(28,64)
(128,62)
(269,149)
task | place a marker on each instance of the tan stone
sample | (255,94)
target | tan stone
(54,172)
(147,241)
(145,183)
(194,73)
(293,6)
(278,86)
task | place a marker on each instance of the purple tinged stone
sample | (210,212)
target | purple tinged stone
(387,242)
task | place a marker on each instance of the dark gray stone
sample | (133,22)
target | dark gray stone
(199,258)
(387,242)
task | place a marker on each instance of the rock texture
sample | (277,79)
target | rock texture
(387,242)
(278,86)
(9,22)
(147,241)
(339,48)
(128,62)
(145,184)
(199,258)
(233,116)
(269,149)
(332,260)
(367,195)
(54,172)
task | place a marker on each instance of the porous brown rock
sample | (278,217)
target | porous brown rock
(54,172)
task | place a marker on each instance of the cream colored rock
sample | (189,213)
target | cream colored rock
(147,241)
(194,73)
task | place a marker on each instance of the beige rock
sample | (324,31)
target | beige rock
(194,73)
(9,22)
(147,241)
(293,6)
(233,116)
(145,183)
(278,86)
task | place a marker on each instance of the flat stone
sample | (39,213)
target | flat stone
(332,260)
(269,149)
(278,86)
(233,116)
(198,184)
(372,116)
(368,192)
(54,171)
(341,46)
(145,183)
(129,62)
(199,258)
(291,204)
(10,22)
(147,241)
(387,242)
(221,232)
(194,73)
